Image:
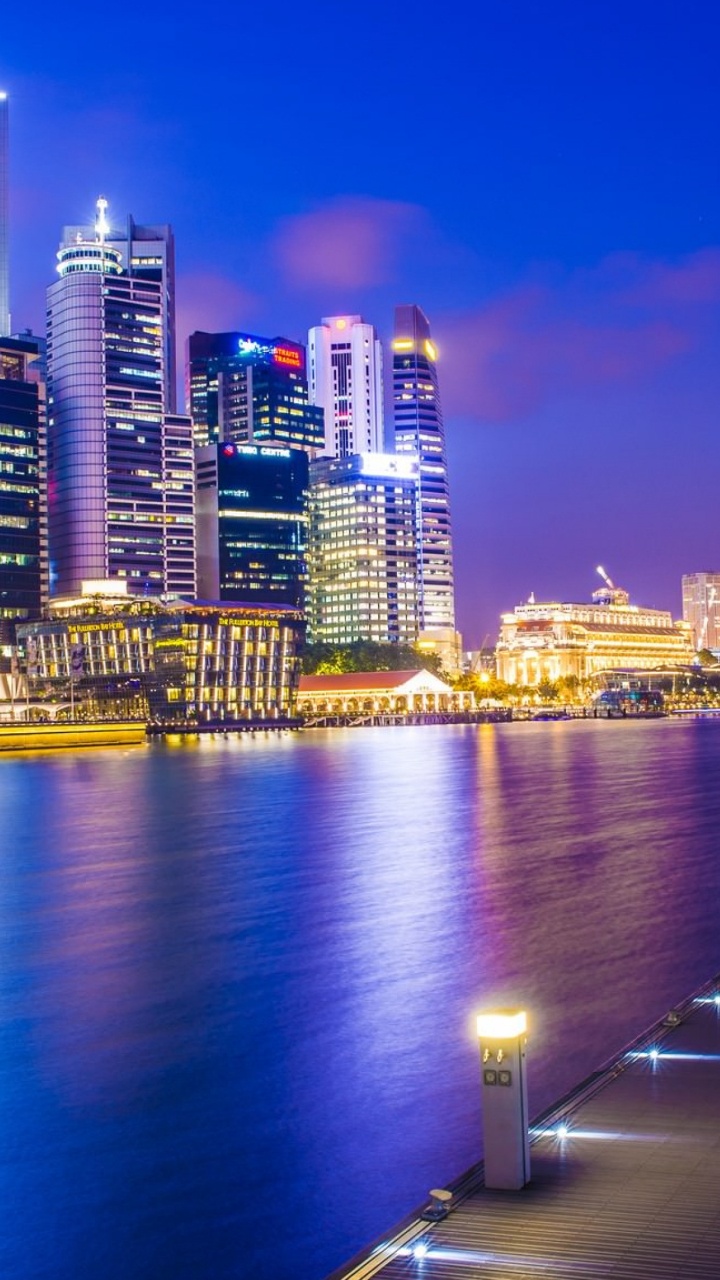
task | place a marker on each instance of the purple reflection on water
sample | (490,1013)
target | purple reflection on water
(238,978)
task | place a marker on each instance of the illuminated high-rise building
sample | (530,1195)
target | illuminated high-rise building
(362,560)
(121,475)
(147,253)
(251,524)
(419,431)
(345,376)
(243,389)
(4,218)
(21,492)
(701,608)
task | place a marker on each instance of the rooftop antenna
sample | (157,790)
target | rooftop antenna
(102,226)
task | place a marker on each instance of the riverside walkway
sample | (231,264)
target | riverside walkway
(625,1178)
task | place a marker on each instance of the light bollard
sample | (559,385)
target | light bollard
(504,1099)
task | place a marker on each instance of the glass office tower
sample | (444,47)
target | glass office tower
(362,557)
(419,431)
(4,218)
(244,389)
(251,524)
(21,528)
(121,474)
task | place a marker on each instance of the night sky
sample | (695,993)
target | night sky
(541,178)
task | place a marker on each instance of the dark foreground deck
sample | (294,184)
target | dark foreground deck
(632,1192)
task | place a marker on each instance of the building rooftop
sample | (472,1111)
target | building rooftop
(370,681)
(631,1193)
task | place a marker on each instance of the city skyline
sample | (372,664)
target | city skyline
(562,238)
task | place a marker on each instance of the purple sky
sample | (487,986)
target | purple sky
(542,180)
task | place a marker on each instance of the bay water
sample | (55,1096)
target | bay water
(238,975)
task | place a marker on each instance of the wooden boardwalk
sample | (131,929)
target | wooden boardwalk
(632,1192)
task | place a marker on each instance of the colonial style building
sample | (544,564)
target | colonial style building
(548,640)
(379,692)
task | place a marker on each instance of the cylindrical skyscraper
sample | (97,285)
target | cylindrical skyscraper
(4,219)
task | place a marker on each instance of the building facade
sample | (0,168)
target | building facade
(701,608)
(362,556)
(121,470)
(129,657)
(420,432)
(22,511)
(251,511)
(549,640)
(346,380)
(5,328)
(146,253)
(243,389)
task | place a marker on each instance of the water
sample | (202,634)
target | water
(237,978)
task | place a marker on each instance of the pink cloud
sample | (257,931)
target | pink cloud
(212,303)
(616,325)
(349,243)
(694,280)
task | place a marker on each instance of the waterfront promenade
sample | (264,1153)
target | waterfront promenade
(625,1178)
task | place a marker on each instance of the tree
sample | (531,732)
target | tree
(549,690)
(366,655)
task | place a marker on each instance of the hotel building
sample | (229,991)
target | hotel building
(128,657)
(701,608)
(419,431)
(549,640)
(251,511)
(120,463)
(244,389)
(345,376)
(362,554)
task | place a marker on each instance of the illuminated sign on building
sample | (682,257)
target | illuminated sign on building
(254,451)
(278,351)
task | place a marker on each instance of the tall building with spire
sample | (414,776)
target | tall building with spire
(419,431)
(345,378)
(4,218)
(121,476)
(147,253)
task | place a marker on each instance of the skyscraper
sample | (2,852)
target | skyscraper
(419,431)
(345,374)
(21,527)
(362,561)
(251,524)
(121,476)
(4,219)
(146,253)
(244,389)
(701,608)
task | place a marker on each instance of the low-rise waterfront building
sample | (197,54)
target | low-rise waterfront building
(549,640)
(169,660)
(379,692)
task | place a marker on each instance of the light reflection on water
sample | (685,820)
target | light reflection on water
(238,976)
